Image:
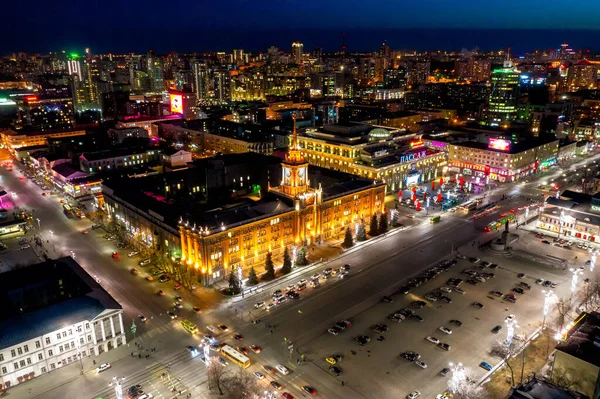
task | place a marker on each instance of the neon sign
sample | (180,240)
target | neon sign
(176,103)
(499,144)
(416,143)
(31,98)
(412,156)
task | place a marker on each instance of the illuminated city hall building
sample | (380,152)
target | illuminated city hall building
(269,204)
(303,215)
(395,156)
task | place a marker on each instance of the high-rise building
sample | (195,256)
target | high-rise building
(46,113)
(201,79)
(504,94)
(297,51)
(582,75)
(222,85)
(156,73)
(238,57)
(418,73)
(395,78)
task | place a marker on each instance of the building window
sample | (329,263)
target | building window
(50,352)
(38,345)
(60,349)
(58,336)
(22,363)
(43,369)
(40,356)
(47,340)
(4,371)
(64,334)
(52,366)
(13,353)
(1,357)
(26,348)
(28,360)
(15,366)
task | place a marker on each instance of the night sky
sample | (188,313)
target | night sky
(187,25)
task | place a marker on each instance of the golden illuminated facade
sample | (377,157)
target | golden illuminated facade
(304,215)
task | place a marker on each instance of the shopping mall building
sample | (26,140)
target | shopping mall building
(396,156)
(500,159)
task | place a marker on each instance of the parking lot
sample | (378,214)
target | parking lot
(377,370)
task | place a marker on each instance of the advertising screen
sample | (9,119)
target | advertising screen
(499,144)
(176,103)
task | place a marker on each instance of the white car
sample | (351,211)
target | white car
(259,375)
(433,340)
(282,369)
(271,306)
(132,254)
(102,367)
(420,364)
(445,330)
(413,395)
(259,305)
(459,290)
(510,317)
(290,287)
(212,329)
(445,289)
(431,298)
(302,281)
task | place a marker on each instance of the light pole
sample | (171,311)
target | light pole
(593,262)
(549,299)
(510,330)
(562,218)
(575,279)
(458,376)
(116,382)
(39,225)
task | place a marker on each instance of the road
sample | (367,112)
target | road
(378,268)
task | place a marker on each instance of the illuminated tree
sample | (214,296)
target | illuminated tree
(348,241)
(234,283)
(287,262)
(361,234)
(301,257)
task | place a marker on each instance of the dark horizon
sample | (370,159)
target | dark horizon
(357,40)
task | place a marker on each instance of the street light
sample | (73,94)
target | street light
(458,376)
(116,382)
(38,220)
(575,279)
(562,219)
(549,298)
(593,262)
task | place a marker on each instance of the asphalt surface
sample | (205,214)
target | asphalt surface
(378,268)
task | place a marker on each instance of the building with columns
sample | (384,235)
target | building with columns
(54,314)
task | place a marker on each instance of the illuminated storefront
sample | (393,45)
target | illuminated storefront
(500,159)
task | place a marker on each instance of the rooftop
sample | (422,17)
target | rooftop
(46,297)
(583,340)
(538,388)
(514,148)
(114,153)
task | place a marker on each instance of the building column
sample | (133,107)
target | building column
(196,259)
(190,255)
(94,339)
(112,327)
(182,239)
(102,329)
(121,323)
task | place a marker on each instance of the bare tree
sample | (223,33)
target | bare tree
(216,375)
(589,295)
(564,306)
(505,352)
(466,387)
(242,385)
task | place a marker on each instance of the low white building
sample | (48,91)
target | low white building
(54,313)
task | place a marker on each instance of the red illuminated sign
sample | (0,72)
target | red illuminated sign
(176,103)
(31,98)
(499,144)
(416,143)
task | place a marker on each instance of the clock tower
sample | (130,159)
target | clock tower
(295,169)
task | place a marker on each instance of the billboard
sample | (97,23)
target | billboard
(499,144)
(176,103)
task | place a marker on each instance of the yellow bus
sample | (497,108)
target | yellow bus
(235,356)
(189,326)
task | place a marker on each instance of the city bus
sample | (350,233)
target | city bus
(189,326)
(435,219)
(468,206)
(235,356)
(497,224)
(67,209)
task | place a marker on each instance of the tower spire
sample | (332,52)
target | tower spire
(295,135)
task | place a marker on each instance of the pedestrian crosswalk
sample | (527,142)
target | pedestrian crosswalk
(157,331)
